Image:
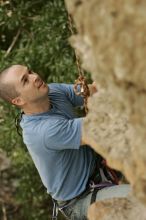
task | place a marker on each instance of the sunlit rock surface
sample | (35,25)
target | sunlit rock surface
(111,42)
(117,209)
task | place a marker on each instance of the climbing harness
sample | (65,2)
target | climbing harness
(81,81)
(115,175)
(55,209)
(102,177)
(17,122)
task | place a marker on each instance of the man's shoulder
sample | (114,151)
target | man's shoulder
(33,131)
(40,123)
(37,132)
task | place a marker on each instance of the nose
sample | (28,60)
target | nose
(35,78)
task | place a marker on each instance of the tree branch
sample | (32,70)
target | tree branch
(13,43)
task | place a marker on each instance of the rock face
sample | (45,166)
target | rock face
(124,209)
(112,45)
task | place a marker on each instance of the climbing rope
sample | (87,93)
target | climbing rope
(81,81)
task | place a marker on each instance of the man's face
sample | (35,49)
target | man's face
(28,84)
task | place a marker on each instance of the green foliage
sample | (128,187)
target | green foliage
(43,40)
(33,33)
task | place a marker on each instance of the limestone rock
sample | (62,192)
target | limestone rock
(117,209)
(112,45)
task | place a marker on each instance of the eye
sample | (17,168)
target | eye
(25,81)
(30,72)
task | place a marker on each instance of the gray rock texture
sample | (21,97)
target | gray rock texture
(111,42)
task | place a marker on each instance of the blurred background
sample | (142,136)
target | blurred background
(33,33)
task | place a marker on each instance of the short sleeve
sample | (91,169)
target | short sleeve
(74,99)
(63,134)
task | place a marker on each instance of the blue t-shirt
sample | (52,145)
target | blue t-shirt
(53,141)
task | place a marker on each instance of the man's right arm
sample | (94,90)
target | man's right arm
(65,134)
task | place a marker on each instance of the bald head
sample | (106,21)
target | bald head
(7,88)
(22,87)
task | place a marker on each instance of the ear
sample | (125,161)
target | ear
(18,101)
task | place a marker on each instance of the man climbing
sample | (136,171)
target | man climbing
(53,135)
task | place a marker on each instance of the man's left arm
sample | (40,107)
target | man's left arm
(75,99)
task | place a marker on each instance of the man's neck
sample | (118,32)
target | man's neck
(37,107)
